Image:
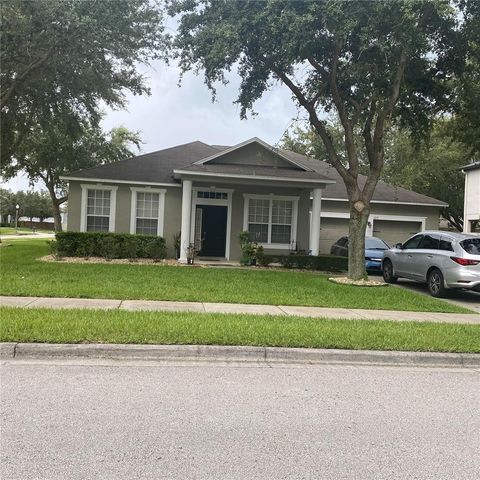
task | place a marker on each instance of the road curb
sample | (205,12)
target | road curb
(242,354)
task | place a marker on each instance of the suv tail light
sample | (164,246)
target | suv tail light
(465,261)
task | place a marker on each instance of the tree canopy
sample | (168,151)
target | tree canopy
(430,166)
(371,63)
(64,57)
(63,146)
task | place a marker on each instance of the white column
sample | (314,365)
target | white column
(314,246)
(186,219)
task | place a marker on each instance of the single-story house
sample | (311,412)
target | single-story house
(471,215)
(210,193)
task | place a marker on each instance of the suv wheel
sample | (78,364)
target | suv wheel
(436,283)
(388,275)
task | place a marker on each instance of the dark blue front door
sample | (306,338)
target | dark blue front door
(213,231)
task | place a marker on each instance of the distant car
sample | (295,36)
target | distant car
(444,260)
(374,248)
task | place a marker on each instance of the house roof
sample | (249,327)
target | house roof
(471,166)
(158,168)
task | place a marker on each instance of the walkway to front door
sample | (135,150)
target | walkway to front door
(211,230)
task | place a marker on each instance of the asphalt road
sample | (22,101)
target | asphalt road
(123,421)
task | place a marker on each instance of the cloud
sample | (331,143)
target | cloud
(174,115)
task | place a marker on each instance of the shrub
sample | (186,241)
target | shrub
(110,245)
(156,249)
(53,247)
(329,263)
(131,248)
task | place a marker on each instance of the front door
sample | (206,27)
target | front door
(211,225)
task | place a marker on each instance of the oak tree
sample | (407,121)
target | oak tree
(371,63)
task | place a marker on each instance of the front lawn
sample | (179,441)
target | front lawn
(23,275)
(116,326)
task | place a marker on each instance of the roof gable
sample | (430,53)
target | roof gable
(253,153)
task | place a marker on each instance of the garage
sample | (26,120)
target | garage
(394,232)
(331,229)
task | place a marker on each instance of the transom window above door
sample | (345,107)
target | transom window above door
(147,211)
(271,220)
(212,194)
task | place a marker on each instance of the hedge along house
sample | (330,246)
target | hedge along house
(211,193)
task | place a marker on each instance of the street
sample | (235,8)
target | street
(111,420)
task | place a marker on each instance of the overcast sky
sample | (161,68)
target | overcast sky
(173,115)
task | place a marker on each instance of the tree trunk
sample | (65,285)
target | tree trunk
(356,243)
(57,217)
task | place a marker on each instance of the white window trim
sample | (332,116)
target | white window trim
(113,204)
(226,202)
(133,207)
(271,197)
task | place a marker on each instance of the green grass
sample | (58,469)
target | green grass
(22,274)
(21,231)
(115,326)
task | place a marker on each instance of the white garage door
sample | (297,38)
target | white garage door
(331,229)
(395,231)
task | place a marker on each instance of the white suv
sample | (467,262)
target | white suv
(444,260)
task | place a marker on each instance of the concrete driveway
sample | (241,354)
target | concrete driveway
(463,298)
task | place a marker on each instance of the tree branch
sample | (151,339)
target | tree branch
(342,112)
(7,94)
(316,123)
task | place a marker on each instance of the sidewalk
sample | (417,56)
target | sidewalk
(238,308)
(27,236)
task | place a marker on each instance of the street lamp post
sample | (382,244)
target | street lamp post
(17,207)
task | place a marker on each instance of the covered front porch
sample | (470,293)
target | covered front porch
(281,218)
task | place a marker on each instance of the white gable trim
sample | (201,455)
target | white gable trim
(248,142)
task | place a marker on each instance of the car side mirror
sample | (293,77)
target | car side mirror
(399,245)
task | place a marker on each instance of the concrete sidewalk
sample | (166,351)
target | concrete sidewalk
(27,236)
(157,305)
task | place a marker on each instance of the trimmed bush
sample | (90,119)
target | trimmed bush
(329,263)
(110,245)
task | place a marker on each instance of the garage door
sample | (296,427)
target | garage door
(394,232)
(331,229)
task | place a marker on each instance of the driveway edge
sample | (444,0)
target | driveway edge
(242,354)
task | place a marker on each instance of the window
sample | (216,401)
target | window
(271,220)
(98,210)
(413,242)
(147,211)
(213,194)
(471,245)
(446,245)
(258,219)
(429,242)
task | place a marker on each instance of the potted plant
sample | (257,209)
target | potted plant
(191,253)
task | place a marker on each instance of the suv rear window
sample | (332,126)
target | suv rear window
(471,245)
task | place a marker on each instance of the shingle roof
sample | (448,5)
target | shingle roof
(158,167)
(383,192)
(257,171)
(152,167)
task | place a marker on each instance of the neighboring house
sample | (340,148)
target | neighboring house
(471,214)
(210,193)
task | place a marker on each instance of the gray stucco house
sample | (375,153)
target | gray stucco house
(210,193)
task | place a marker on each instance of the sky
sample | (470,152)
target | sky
(174,115)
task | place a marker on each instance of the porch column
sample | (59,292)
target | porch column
(186,219)
(314,246)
